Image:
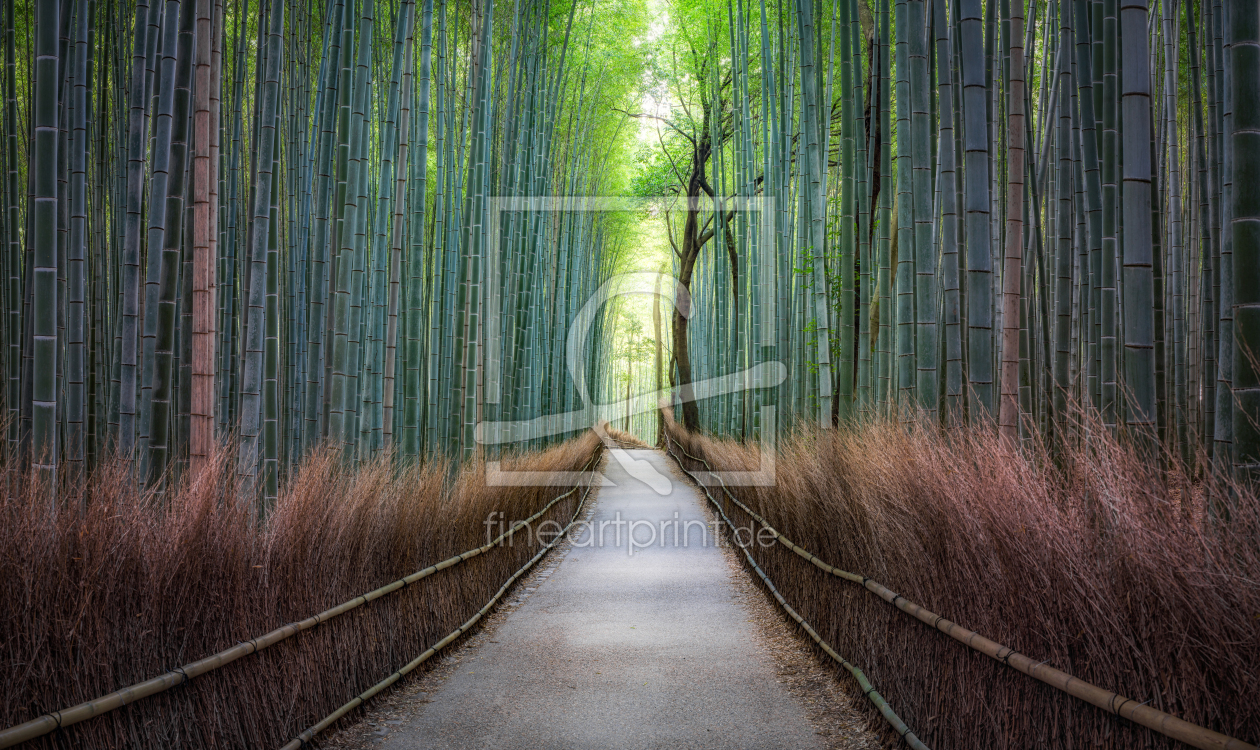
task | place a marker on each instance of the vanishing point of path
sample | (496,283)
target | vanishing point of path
(608,649)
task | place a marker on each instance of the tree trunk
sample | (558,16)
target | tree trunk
(682,312)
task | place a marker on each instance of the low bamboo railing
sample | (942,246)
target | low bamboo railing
(868,689)
(54,720)
(1139,713)
(302,739)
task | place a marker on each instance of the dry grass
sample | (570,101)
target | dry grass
(1100,565)
(625,439)
(128,588)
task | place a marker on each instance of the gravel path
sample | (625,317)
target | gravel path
(657,644)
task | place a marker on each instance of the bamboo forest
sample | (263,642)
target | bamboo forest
(307,298)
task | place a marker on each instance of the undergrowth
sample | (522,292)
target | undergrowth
(1105,565)
(120,586)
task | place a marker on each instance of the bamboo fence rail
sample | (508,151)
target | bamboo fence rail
(1139,713)
(867,688)
(301,740)
(54,720)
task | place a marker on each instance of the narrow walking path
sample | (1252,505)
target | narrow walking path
(621,646)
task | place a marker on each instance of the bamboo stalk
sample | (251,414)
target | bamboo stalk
(201,438)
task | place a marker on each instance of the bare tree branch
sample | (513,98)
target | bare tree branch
(672,164)
(643,116)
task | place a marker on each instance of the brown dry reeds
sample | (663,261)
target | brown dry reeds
(1097,563)
(128,587)
(623,439)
